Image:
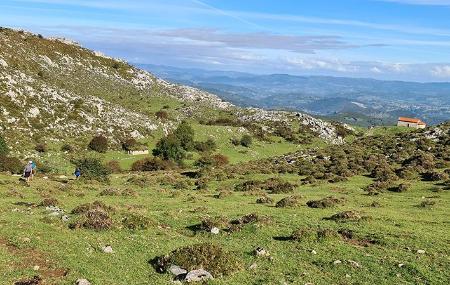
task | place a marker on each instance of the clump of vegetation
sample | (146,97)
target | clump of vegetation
(110,192)
(169,148)
(67,148)
(136,222)
(435,176)
(246,141)
(92,168)
(377,187)
(36,280)
(41,147)
(264,200)
(10,164)
(427,203)
(206,146)
(209,223)
(403,187)
(184,134)
(49,202)
(210,257)
(96,205)
(327,202)
(95,219)
(162,115)
(223,194)
(272,185)
(113,166)
(346,216)
(302,234)
(152,164)
(4,149)
(99,144)
(289,202)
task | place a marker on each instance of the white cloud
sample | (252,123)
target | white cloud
(442,71)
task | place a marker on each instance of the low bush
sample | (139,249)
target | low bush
(11,164)
(41,147)
(324,203)
(92,168)
(136,222)
(206,146)
(289,202)
(246,141)
(99,144)
(152,164)
(67,148)
(113,166)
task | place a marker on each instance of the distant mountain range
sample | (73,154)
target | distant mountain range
(358,101)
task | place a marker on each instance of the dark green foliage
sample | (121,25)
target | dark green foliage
(11,164)
(212,258)
(92,168)
(185,135)
(206,146)
(129,144)
(271,185)
(246,140)
(4,149)
(169,148)
(99,144)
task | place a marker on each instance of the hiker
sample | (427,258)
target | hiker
(77,173)
(27,172)
(33,170)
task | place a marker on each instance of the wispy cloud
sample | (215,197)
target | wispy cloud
(422,2)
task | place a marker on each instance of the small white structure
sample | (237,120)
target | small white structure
(138,152)
(411,123)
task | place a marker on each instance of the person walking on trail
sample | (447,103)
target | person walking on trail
(27,172)
(33,170)
(77,173)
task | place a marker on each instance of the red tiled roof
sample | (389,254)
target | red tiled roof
(411,120)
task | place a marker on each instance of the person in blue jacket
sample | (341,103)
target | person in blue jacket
(77,173)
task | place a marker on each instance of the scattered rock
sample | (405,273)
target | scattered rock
(420,251)
(354,264)
(261,252)
(82,282)
(107,249)
(401,265)
(176,270)
(336,262)
(65,218)
(36,268)
(313,252)
(198,276)
(253,266)
(215,230)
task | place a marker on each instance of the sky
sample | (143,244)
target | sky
(384,39)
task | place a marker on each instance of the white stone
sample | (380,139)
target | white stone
(420,251)
(176,270)
(107,249)
(215,230)
(82,282)
(336,262)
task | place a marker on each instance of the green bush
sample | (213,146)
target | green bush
(185,135)
(99,144)
(4,149)
(41,147)
(208,145)
(246,140)
(92,168)
(169,148)
(11,164)
(67,148)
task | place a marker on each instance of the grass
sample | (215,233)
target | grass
(400,225)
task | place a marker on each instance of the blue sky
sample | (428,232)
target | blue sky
(385,39)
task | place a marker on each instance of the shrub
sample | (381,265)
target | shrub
(113,166)
(427,203)
(217,160)
(67,148)
(94,219)
(185,135)
(169,148)
(435,176)
(324,203)
(220,160)
(289,202)
(277,186)
(162,115)
(403,187)
(4,149)
(41,147)
(208,145)
(346,216)
(99,144)
(11,164)
(152,164)
(92,168)
(129,144)
(212,258)
(136,222)
(235,141)
(246,140)
(264,200)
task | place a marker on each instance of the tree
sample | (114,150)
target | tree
(4,149)
(169,148)
(99,144)
(185,134)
